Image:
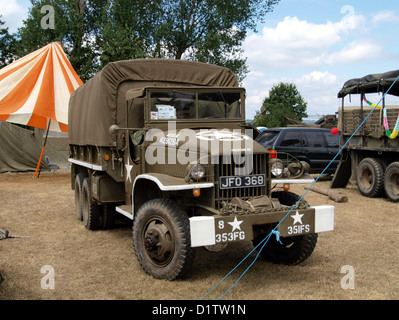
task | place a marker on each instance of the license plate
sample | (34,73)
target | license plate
(229,182)
(298,223)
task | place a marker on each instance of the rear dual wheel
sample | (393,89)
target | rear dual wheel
(375,175)
(78,195)
(93,215)
(391,182)
(370,177)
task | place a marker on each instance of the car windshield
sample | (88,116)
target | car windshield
(189,105)
(267,138)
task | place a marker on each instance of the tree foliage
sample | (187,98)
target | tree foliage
(7,44)
(284,101)
(94,33)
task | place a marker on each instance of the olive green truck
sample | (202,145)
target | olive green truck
(371,153)
(165,143)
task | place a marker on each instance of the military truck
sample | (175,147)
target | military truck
(371,157)
(165,143)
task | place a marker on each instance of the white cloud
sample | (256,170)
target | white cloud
(322,78)
(9,7)
(298,51)
(356,51)
(385,16)
(295,42)
(13,13)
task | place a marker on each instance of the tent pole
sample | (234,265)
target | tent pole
(37,172)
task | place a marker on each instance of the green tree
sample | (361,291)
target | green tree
(127,29)
(7,44)
(73,27)
(94,33)
(284,101)
(211,31)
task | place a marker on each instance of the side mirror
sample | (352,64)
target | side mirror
(114,129)
(138,137)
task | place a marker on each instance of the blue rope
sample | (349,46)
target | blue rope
(274,231)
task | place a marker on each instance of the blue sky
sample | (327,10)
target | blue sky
(315,44)
(318,45)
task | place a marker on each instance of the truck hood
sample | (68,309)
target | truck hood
(212,142)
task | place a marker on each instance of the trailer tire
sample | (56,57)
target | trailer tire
(91,211)
(78,196)
(293,250)
(370,177)
(391,182)
(161,239)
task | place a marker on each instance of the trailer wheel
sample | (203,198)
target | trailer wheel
(78,195)
(370,177)
(293,250)
(91,211)
(391,182)
(161,239)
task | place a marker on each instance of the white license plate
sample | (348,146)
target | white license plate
(229,182)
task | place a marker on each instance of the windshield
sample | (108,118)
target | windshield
(190,105)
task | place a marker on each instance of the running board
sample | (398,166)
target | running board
(126,210)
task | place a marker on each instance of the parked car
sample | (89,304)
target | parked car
(316,146)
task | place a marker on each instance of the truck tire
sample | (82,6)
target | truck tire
(78,195)
(370,177)
(91,211)
(161,239)
(293,250)
(107,218)
(391,182)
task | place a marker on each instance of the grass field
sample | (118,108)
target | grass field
(102,265)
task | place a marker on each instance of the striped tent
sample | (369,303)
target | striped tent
(35,89)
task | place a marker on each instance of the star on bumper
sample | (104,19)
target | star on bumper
(235,224)
(297,217)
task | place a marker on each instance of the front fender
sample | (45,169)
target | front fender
(168,183)
(152,185)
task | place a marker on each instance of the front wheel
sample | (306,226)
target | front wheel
(161,239)
(292,250)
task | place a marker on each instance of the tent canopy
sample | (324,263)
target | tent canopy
(37,87)
(372,83)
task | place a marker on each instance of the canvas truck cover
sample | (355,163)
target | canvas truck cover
(371,83)
(101,101)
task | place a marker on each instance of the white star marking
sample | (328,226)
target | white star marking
(297,217)
(129,168)
(235,224)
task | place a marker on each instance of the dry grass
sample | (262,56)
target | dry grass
(102,264)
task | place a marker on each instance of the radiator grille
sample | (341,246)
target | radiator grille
(239,166)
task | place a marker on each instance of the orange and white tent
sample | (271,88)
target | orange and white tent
(35,89)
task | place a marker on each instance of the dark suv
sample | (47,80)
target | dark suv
(316,146)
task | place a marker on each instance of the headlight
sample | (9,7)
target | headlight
(277,168)
(197,172)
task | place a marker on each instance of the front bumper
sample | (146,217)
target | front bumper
(211,230)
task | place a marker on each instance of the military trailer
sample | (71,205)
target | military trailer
(371,157)
(165,143)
